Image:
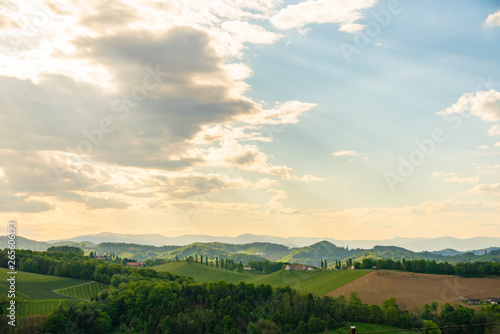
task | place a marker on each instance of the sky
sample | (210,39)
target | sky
(358,119)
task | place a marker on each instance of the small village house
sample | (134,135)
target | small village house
(135,264)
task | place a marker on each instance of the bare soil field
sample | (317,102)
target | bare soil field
(413,290)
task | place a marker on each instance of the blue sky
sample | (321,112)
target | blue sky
(346,119)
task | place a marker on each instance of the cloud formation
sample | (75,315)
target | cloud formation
(342,12)
(483,104)
(493,20)
(344,153)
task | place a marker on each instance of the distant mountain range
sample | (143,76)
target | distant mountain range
(245,248)
(414,244)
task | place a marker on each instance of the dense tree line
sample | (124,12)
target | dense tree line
(147,306)
(147,301)
(65,249)
(73,265)
(433,267)
(266,267)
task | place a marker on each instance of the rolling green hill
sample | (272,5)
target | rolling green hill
(312,255)
(38,287)
(203,273)
(317,282)
(40,294)
(24,243)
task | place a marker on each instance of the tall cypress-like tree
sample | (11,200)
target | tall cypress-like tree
(217,262)
(206,261)
(196,258)
(201,259)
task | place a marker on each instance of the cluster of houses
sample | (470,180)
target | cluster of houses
(298,267)
(491,300)
(135,264)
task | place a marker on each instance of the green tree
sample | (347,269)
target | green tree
(315,324)
(434,328)
(56,322)
(240,267)
(252,328)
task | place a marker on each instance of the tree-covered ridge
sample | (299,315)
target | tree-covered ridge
(170,307)
(74,265)
(310,255)
(433,267)
(66,249)
(147,301)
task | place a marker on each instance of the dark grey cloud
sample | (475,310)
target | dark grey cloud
(10,202)
(125,127)
(109,14)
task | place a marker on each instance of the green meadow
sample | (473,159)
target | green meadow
(316,281)
(40,294)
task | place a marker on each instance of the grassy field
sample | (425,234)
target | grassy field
(413,290)
(203,273)
(37,294)
(37,287)
(40,306)
(83,291)
(317,282)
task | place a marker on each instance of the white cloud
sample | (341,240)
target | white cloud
(352,28)
(231,153)
(342,12)
(265,183)
(482,147)
(276,203)
(284,113)
(344,153)
(7,23)
(483,104)
(482,189)
(457,179)
(494,130)
(493,20)
(497,144)
(60,82)
(311,178)
(454,178)
(245,32)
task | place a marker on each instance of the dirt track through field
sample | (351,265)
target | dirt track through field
(414,290)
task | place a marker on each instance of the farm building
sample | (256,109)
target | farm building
(135,264)
(493,300)
(247,268)
(474,301)
(298,267)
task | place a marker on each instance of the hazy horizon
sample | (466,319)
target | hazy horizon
(359,120)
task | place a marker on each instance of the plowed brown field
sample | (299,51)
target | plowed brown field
(414,290)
